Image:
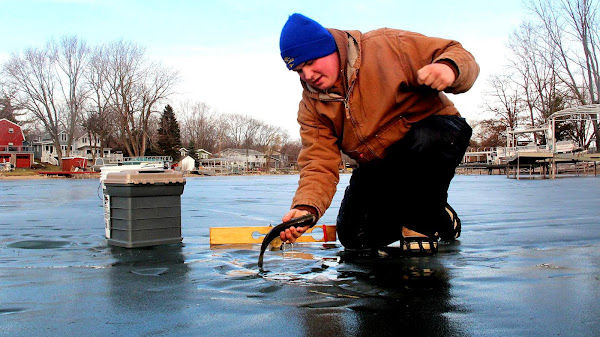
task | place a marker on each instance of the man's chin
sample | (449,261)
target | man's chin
(322,87)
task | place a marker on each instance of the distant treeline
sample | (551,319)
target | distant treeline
(114,93)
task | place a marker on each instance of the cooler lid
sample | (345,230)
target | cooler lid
(144,177)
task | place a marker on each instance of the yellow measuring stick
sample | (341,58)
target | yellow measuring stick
(253,234)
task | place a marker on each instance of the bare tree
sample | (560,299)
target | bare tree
(157,85)
(244,132)
(237,130)
(33,75)
(71,56)
(536,66)
(505,100)
(100,120)
(291,150)
(48,84)
(9,108)
(489,133)
(93,126)
(245,129)
(222,127)
(135,87)
(269,140)
(199,125)
(571,31)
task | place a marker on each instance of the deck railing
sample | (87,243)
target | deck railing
(118,159)
(15,148)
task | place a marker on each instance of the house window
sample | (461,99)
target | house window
(11,130)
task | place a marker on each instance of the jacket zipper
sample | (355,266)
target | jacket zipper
(347,102)
(347,108)
(348,116)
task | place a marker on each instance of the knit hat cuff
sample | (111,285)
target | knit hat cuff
(303,39)
(308,51)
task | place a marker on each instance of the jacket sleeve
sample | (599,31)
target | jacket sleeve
(420,50)
(318,160)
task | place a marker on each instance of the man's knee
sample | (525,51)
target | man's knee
(441,139)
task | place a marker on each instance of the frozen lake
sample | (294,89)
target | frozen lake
(527,264)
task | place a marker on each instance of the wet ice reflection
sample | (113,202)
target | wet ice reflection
(527,264)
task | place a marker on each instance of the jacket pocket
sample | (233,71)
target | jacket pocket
(390,134)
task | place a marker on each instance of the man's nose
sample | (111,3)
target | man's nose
(308,73)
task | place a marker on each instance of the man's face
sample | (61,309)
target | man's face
(320,73)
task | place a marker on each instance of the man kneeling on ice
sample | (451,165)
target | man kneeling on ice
(379,98)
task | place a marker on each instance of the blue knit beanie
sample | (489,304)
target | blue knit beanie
(303,39)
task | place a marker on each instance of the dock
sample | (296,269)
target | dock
(542,164)
(526,152)
(66,173)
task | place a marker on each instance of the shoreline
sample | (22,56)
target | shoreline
(189,175)
(41,177)
(97,176)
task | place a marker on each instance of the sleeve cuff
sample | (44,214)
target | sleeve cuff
(450,64)
(310,209)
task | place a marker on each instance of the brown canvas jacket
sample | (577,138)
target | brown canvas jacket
(382,99)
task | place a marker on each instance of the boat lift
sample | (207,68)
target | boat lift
(548,155)
(552,152)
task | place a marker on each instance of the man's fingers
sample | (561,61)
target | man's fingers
(437,85)
(427,77)
(293,213)
(291,234)
(423,76)
(437,76)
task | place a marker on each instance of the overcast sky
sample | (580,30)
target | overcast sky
(227,51)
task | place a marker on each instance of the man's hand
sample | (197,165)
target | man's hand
(291,234)
(438,76)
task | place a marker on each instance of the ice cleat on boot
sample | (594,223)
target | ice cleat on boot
(415,243)
(451,231)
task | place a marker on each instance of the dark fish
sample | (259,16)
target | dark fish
(305,220)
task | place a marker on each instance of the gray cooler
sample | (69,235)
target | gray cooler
(144,207)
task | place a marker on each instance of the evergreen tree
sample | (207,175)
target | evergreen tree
(169,138)
(192,152)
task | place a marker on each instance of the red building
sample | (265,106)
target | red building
(12,149)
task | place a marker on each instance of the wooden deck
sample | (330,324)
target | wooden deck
(545,163)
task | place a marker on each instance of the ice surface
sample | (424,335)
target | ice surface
(527,264)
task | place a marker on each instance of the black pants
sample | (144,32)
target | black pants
(409,187)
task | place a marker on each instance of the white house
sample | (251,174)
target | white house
(251,159)
(236,159)
(183,152)
(203,154)
(82,146)
(200,154)
(187,164)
